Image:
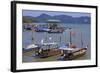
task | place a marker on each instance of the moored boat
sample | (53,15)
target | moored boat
(41,29)
(57,30)
(46,50)
(72,53)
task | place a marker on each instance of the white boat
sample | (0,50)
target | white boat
(31,47)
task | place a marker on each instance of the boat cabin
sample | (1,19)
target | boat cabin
(46,50)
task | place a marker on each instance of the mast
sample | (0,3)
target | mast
(81,40)
(60,39)
(32,34)
(70,36)
(45,36)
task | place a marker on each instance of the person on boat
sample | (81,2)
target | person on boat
(72,45)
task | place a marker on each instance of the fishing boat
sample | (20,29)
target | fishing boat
(44,53)
(46,50)
(57,30)
(27,26)
(41,29)
(70,51)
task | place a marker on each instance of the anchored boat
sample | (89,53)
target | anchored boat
(71,52)
(46,51)
(41,29)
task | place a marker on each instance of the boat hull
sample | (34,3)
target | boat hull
(48,53)
(74,55)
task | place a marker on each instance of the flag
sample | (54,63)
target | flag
(72,33)
(72,46)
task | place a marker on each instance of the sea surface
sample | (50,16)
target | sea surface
(81,32)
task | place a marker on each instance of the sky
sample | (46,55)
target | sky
(36,13)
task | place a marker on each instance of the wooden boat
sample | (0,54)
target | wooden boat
(27,26)
(46,51)
(71,52)
(41,29)
(57,30)
(77,53)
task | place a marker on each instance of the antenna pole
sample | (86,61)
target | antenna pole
(32,34)
(81,40)
(70,36)
(60,39)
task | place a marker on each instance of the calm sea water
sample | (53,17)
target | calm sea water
(55,37)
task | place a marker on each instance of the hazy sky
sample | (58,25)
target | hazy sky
(52,13)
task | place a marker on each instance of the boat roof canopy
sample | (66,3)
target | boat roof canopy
(68,48)
(53,21)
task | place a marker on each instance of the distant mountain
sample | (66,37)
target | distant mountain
(62,18)
(46,16)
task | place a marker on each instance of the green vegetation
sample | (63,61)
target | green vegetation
(28,19)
